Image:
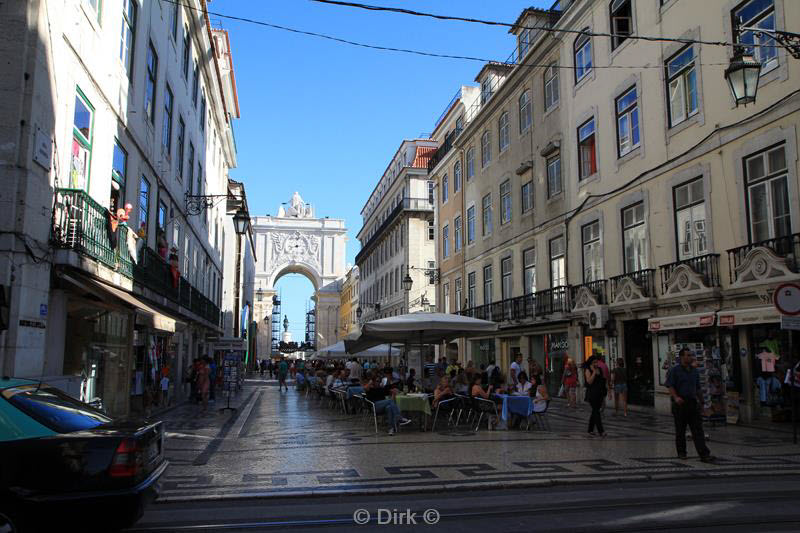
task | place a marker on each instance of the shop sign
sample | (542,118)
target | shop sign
(587,346)
(745,317)
(230,344)
(787,299)
(699,320)
(790,322)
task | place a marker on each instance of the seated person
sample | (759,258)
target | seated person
(523,385)
(378,395)
(300,381)
(476,390)
(411,380)
(442,392)
(461,383)
(541,397)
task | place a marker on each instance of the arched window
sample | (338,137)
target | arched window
(525,111)
(470,163)
(583,56)
(502,126)
(457,176)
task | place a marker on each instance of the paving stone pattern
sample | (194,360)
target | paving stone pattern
(277,444)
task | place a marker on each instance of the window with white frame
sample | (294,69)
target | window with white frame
(470,163)
(166,127)
(128,35)
(486,148)
(550,86)
(187,52)
(470,290)
(627,106)
(558,262)
(529,270)
(768,195)
(690,219)
(195,83)
(446,292)
(505,202)
(119,166)
(150,84)
(457,177)
(621,22)
(527,196)
(430,192)
(583,56)
(592,252)
(525,111)
(144,206)
(446,241)
(634,238)
(445,189)
(190,180)
(554,185)
(181,146)
(82,139)
(487,214)
(681,86)
(459,295)
(502,127)
(487,284)
(431,231)
(506,281)
(587,153)
(524,43)
(471,224)
(486,90)
(457,233)
(757,14)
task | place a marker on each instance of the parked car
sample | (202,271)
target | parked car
(67,465)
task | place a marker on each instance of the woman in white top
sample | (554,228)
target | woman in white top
(541,398)
(523,385)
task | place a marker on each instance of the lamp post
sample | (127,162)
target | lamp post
(407,283)
(742,76)
(241,221)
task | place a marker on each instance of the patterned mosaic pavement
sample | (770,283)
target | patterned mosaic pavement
(277,444)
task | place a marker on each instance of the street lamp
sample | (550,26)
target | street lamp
(260,294)
(742,76)
(241,220)
(407,282)
(359,312)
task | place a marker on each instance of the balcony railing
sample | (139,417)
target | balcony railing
(518,308)
(555,300)
(155,273)
(787,247)
(644,279)
(444,149)
(707,266)
(597,288)
(407,204)
(83,225)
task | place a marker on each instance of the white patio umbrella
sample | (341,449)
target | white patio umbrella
(338,350)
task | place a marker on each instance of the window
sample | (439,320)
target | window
(470,163)
(195,82)
(181,138)
(505,272)
(529,270)
(502,126)
(174,17)
(621,22)
(150,85)
(527,196)
(768,195)
(690,219)
(681,86)
(166,128)
(457,177)
(592,252)
(119,164)
(525,111)
(583,56)
(505,202)
(187,52)
(634,238)
(457,233)
(190,181)
(487,284)
(54,409)
(96,6)
(524,43)
(203,110)
(558,263)
(459,300)
(446,241)
(446,297)
(82,127)
(757,14)
(550,86)
(431,231)
(487,214)
(445,189)
(431,272)
(486,149)
(200,179)
(554,187)
(470,290)
(587,164)
(161,220)
(144,205)
(627,122)
(486,90)
(471,225)
(430,192)
(128,35)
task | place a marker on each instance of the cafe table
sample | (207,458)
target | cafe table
(518,405)
(415,403)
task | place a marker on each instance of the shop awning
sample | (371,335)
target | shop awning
(694,320)
(145,314)
(743,317)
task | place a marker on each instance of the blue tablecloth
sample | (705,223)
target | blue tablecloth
(352,391)
(518,405)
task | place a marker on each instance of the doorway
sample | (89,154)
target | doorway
(639,363)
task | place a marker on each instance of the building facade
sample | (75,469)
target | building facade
(348,320)
(127,110)
(645,212)
(398,237)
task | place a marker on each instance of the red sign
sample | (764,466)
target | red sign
(787,299)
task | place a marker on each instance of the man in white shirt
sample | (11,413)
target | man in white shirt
(516,368)
(355,370)
(164,391)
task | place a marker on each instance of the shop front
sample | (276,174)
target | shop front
(550,352)
(638,357)
(482,352)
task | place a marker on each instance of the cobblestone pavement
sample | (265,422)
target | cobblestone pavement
(278,444)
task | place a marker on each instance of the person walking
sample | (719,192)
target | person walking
(165,391)
(212,380)
(283,372)
(683,382)
(620,376)
(570,382)
(595,393)
(203,382)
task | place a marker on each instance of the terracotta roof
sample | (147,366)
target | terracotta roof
(423,155)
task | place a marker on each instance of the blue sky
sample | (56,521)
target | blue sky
(324,118)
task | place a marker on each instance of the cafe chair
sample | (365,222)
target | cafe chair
(487,408)
(449,406)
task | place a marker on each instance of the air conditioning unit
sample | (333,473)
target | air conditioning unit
(597,317)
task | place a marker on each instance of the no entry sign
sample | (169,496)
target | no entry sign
(787,299)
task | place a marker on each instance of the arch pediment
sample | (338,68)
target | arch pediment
(628,292)
(684,280)
(762,265)
(584,299)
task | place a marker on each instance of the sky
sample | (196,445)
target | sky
(324,118)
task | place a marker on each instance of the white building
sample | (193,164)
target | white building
(108,105)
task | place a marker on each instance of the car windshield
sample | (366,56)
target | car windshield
(55,409)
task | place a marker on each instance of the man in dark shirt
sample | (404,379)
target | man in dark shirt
(377,394)
(683,382)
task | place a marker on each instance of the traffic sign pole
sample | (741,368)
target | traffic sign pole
(787,301)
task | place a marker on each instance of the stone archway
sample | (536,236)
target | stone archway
(294,241)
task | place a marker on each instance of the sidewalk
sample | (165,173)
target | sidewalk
(279,443)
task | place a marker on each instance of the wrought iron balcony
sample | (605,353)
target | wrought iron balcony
(644,280)
(518,308)
(598,289)
(787,248)
(444,149)
(706,266)
(406,204)
(155,273)
(555,300)
(83,225)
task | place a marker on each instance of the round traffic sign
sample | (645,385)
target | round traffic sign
(787,299)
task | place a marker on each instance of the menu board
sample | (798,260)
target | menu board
(230,375)
(712,384)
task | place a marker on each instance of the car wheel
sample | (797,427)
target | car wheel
(9,522)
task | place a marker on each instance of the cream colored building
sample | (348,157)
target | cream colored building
(661,214)
(348,321)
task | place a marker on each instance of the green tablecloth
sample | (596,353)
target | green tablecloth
(418,404)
